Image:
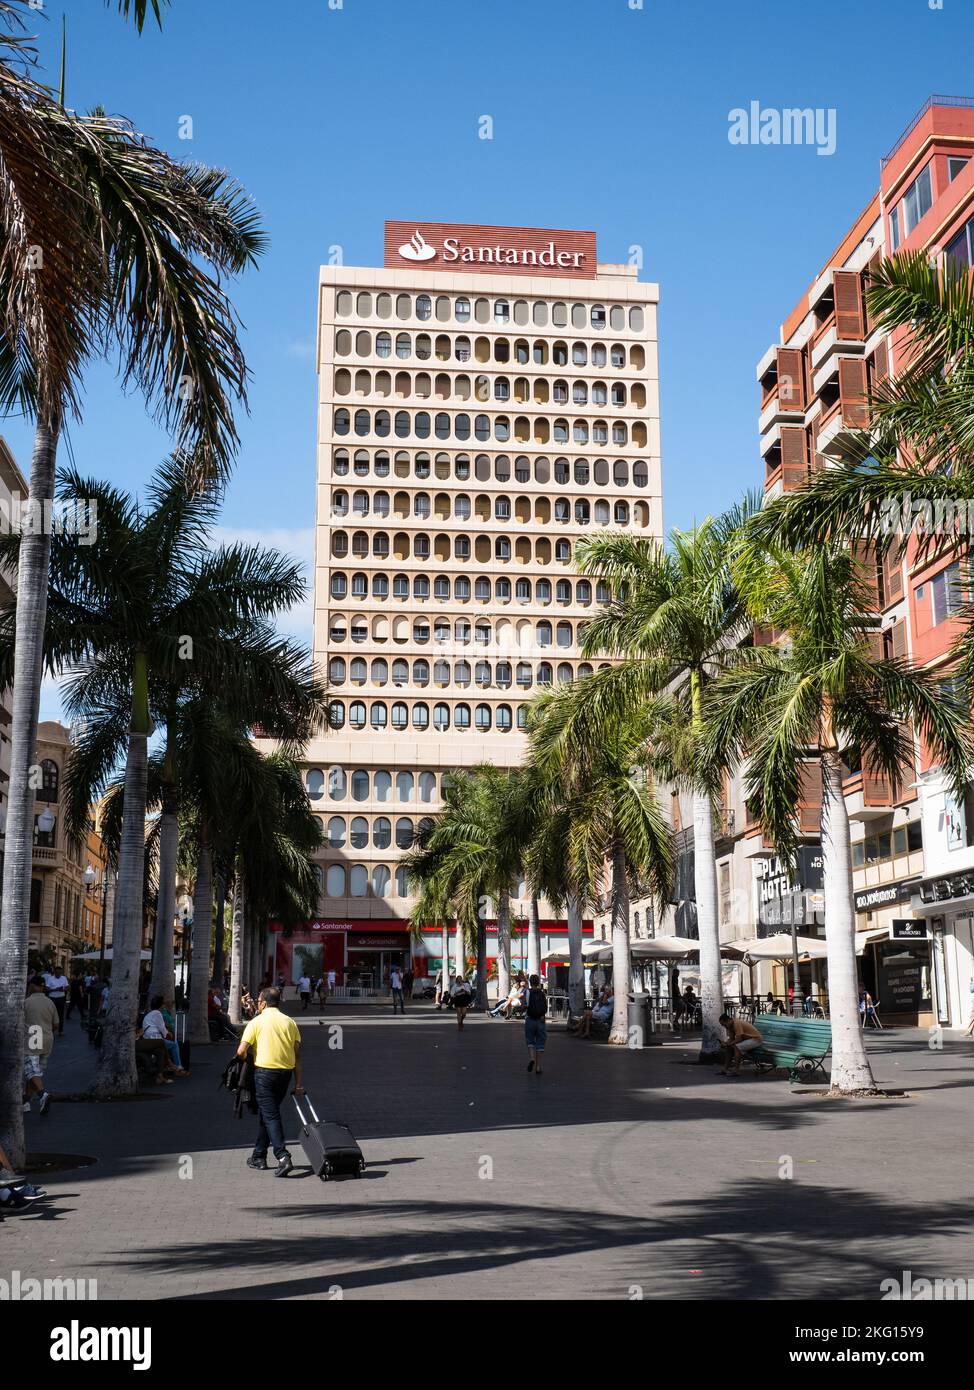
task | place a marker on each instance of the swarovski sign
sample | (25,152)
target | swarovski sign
(491,250)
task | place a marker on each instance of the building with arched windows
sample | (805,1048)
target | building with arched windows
(486,399)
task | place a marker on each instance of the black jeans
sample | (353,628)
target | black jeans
(397,998)
(270,1088)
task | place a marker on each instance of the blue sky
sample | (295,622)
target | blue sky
(604,117)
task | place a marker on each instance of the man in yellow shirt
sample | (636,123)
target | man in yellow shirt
(276,1040)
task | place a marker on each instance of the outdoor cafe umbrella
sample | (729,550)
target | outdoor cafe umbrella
(665,948)
(596,951)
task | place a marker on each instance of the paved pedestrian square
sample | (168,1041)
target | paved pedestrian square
(617,1174)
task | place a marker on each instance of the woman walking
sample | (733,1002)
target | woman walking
(535,1029)
(462,999)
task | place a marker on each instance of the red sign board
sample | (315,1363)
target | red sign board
(490,250)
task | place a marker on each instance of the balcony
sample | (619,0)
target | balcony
(869,795)
(776,411)
(828,343)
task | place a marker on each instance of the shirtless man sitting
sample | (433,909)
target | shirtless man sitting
(741,1037)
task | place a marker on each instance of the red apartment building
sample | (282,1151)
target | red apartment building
(914,842)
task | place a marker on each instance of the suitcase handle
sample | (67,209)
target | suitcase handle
(314,1113)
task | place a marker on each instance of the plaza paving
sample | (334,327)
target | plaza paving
(614,1174)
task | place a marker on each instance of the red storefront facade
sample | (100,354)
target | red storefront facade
(363,952)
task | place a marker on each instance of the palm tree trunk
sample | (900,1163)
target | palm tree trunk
(534,939)
(163,964)
(199,971)
(708,927)
(259,965)
(480,1002)
(237,952)
(504,944)
(117,1074)
(576,964)
(221,911)
(459,956)
(445,955)
(32,581)
(619,1033)
(851,1071)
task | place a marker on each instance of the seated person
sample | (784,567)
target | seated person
(600,1012)
(156,1047)
(156,1027)
(741,1037)
(515,998)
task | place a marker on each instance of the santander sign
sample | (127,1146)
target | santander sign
(490,250)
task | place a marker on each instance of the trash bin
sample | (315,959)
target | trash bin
(639,1020)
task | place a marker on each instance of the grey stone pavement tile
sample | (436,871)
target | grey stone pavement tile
(614,1175)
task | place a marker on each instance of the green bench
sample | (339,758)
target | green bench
(800,1044)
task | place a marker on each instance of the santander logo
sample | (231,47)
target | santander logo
(417,249)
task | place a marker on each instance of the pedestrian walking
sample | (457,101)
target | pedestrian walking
(407,982)
(969,1030)
(76,995)
(331,979)
(438,989)
(395,984)
(276,1040)
(41,1020)
(462,998)
(57,984)
(304,990)
(535,1028)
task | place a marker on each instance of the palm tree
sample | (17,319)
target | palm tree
(673,619)
(824,696)
(249,811)
(110,246)
(920,441)
(424,866)
(561,880)
(149,621)
(271,835)
(616,819)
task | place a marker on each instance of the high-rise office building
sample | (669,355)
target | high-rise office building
(486,399)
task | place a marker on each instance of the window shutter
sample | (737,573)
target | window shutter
(852,392)
(810,797)
(791,379)
(816,461)
(880,361)
(865,555)
(794,457)
(892,578)
(897,640)
(848,304)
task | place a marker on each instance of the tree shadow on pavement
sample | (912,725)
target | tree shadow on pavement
(755,1239)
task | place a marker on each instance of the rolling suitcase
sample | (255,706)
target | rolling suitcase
(329,1146)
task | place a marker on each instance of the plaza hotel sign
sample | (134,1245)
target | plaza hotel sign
(490,250)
